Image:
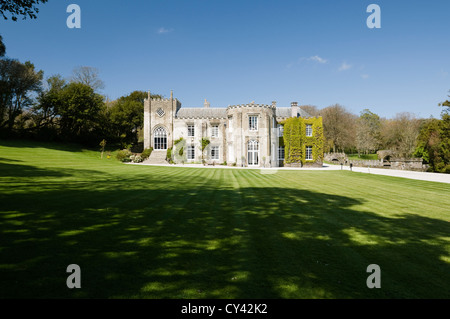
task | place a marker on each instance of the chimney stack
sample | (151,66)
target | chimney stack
(294,109)
(206,104)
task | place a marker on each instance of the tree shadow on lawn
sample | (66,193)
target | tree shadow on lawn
(58,146)
(204,242)
(2,159)
(29,171)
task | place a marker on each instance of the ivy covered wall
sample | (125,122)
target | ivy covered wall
(295,140)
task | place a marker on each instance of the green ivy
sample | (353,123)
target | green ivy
(146,153)
(205,142)
(169,155)
(295,140)
(179,154)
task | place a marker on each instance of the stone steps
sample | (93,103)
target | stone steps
(157,157)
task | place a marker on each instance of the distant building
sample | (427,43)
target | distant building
(244,135)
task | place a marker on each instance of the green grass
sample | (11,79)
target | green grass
(362,157)
(170,232)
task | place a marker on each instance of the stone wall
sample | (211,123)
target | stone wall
(411,164)
(335,157)
(365,163)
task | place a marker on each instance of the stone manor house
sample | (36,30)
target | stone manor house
(242,135)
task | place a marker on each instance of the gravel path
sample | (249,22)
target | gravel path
(424,176)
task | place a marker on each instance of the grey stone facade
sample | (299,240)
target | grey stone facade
(244,135)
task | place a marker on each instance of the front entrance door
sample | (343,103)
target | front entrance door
(253,153)
(160,139)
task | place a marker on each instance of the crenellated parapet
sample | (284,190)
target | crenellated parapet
(161,100)
(272,106)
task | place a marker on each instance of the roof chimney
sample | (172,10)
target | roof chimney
(206,104)
(294,109)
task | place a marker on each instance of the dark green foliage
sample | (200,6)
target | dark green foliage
(126,117)
(433,142)
(124,156)
(204,144)
(71,112)
(25,8)
(75,112)
(146,153)
(17,83)
(169,155)
(2,47)
(180,144)
(79,111)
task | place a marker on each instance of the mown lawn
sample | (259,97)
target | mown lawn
(169,232)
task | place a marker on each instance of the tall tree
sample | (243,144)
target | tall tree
(46,111)
(79,112)
(446,105)
(368,134)
(25,8)
(126,117)
(428,143)
(433,143)
(17,83)
(445,135)
(2,47)
(400,134)
(338,127)
(89,76)
(310,109)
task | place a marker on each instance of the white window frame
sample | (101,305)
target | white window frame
(308,153)
(281,153)
(215,130)
(280,130)
(253,122)
(214,152)
(191,130)
(309,130)
(160,138)
(253,153)
(191,151)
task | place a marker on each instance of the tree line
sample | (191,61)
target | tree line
(404,135)
(67,110)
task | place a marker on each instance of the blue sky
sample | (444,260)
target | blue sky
(232,52)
